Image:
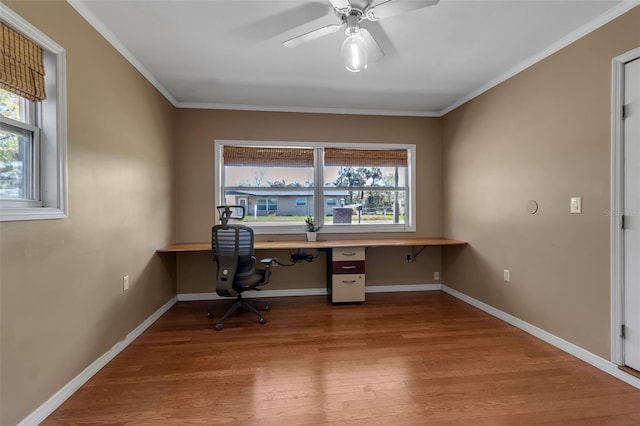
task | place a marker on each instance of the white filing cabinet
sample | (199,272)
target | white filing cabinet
(346,278)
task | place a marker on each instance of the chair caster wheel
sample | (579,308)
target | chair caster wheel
(210,315)
(267,307)
(262,320)
(219,327)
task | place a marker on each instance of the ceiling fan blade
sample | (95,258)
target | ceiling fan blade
(381,37)
(392,8)
(342,6)
(374,52)
(312,35)
(274,25)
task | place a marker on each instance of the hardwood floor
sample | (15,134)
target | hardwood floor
(397,359)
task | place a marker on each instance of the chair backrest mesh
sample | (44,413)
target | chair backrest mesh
(232,240)
(232,247)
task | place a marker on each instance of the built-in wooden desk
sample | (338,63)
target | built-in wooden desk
(327,244)
(342,286)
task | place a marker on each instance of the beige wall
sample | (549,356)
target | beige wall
(542,135)
(62,303)
(196,131)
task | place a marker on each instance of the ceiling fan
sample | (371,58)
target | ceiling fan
(359,47)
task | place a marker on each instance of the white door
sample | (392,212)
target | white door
(243,202)
(631,140)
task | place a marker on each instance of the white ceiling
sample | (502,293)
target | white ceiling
(229,54)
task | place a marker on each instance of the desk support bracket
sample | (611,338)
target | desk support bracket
(419,251)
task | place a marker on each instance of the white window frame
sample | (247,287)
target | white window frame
(30,127)
(50,166)
(410,213)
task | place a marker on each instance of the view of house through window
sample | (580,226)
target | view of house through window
(363,188)
(274,184)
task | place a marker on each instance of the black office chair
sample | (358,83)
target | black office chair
(232,247)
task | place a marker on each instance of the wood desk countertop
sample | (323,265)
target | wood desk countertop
(302,244)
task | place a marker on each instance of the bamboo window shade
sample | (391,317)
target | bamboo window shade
(365,157)
(21,65)
(267,156)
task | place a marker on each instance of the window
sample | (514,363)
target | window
(19,147)
(373,184)
(32,122)
(267,205)
(347,188)
(271,179)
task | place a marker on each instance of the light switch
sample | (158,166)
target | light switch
(576,205)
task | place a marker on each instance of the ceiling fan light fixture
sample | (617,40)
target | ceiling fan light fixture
(360,46)
(354,52)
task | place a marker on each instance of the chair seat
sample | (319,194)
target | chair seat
(244,282)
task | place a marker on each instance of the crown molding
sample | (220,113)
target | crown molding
(310,110)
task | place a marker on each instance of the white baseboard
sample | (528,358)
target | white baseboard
(577,351)
(70,388)
(190,297)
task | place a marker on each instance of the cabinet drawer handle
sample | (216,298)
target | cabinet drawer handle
(349,267)
(348,281)
(353,253)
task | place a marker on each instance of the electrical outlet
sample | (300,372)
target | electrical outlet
(125,283)
(275,262)
(506,275)
(436,276)
(409,257)
(575,205)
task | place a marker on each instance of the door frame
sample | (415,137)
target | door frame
(617,203)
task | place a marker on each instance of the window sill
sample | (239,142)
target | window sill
(19,214)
